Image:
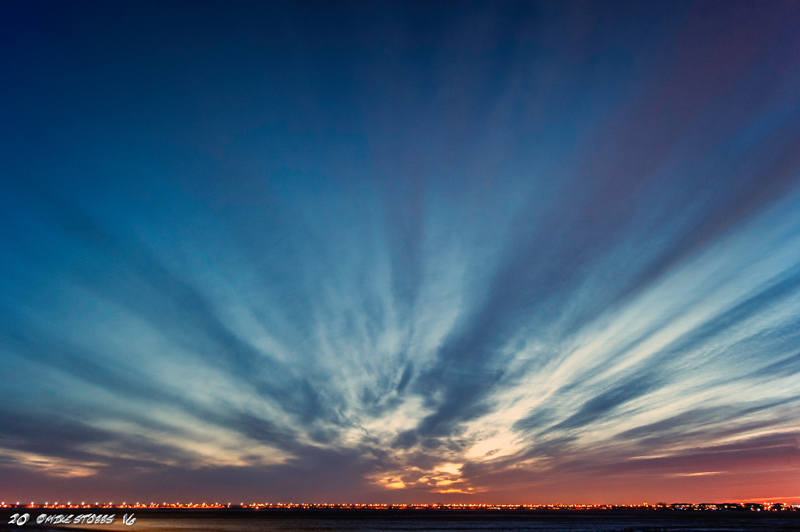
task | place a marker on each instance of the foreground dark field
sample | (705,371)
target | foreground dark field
(321,520)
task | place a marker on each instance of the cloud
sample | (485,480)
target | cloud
(417,254)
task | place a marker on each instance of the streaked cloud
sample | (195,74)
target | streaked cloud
(521,253)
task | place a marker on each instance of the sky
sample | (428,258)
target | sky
(399,252)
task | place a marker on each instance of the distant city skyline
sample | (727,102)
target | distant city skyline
(752,506)
(523,253)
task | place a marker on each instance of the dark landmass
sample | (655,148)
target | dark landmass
(342,517)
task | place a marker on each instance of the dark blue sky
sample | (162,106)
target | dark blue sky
(508,252)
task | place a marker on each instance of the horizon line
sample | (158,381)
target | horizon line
(745,504)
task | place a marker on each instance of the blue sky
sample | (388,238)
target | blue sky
(392,252)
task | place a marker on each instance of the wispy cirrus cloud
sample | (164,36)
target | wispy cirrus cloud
(537,253)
